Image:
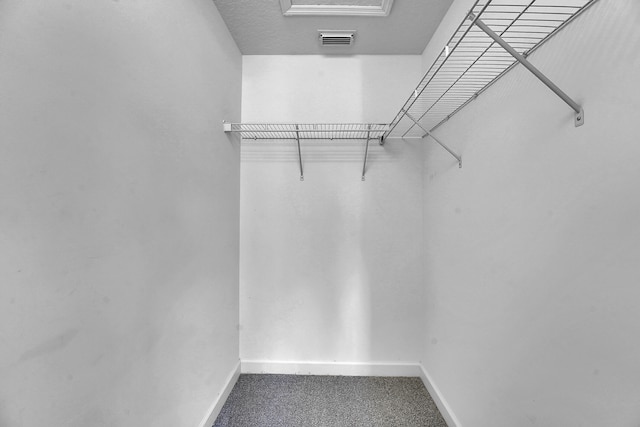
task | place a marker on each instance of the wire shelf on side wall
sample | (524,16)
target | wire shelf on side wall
(494,36)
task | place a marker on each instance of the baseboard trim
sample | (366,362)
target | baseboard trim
(379,369)
(216,407)
(438,399)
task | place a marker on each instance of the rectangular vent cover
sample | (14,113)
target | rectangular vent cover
(336,38)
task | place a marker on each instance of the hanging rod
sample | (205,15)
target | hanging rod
(491,39)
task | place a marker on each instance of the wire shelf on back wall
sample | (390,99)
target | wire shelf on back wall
(325,131)
(315,131)
(473,60)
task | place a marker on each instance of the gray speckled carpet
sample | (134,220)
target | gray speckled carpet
(309,401)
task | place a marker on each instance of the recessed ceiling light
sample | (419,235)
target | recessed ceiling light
(336,7)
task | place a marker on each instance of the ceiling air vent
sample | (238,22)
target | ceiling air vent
(336,38)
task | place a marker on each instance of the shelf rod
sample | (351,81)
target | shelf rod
(366,152)
(299,154)
(579,119)
(458,158)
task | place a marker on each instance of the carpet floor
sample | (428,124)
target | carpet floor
(263,400)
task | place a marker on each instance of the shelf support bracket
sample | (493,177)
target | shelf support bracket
(428,133)
(579,118)
(299,153)
(366,152)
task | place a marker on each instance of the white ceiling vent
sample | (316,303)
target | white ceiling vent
(336,38)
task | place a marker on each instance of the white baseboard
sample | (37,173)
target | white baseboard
(216,407)
(331,368)
(439,400)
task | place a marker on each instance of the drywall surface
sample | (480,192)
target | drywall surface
(329,267)
(532,248)
(118,212)
(326,89)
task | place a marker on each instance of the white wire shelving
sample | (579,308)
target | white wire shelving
(315,131)
(494,36)
(296,131)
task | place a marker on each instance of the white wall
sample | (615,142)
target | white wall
(330,268)
(532,249)
(119,212)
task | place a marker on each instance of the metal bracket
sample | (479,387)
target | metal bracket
(299,153)
(428,133)
(579,119)
(366,152)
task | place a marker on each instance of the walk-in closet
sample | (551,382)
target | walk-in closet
(319,213)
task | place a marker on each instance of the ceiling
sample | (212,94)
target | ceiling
(260,28)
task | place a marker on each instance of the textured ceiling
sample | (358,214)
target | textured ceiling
(259,28)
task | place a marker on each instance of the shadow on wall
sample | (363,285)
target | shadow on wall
(313,151)
(321,152)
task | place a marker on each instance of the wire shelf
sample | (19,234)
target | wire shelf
(300,131)
(472,61)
